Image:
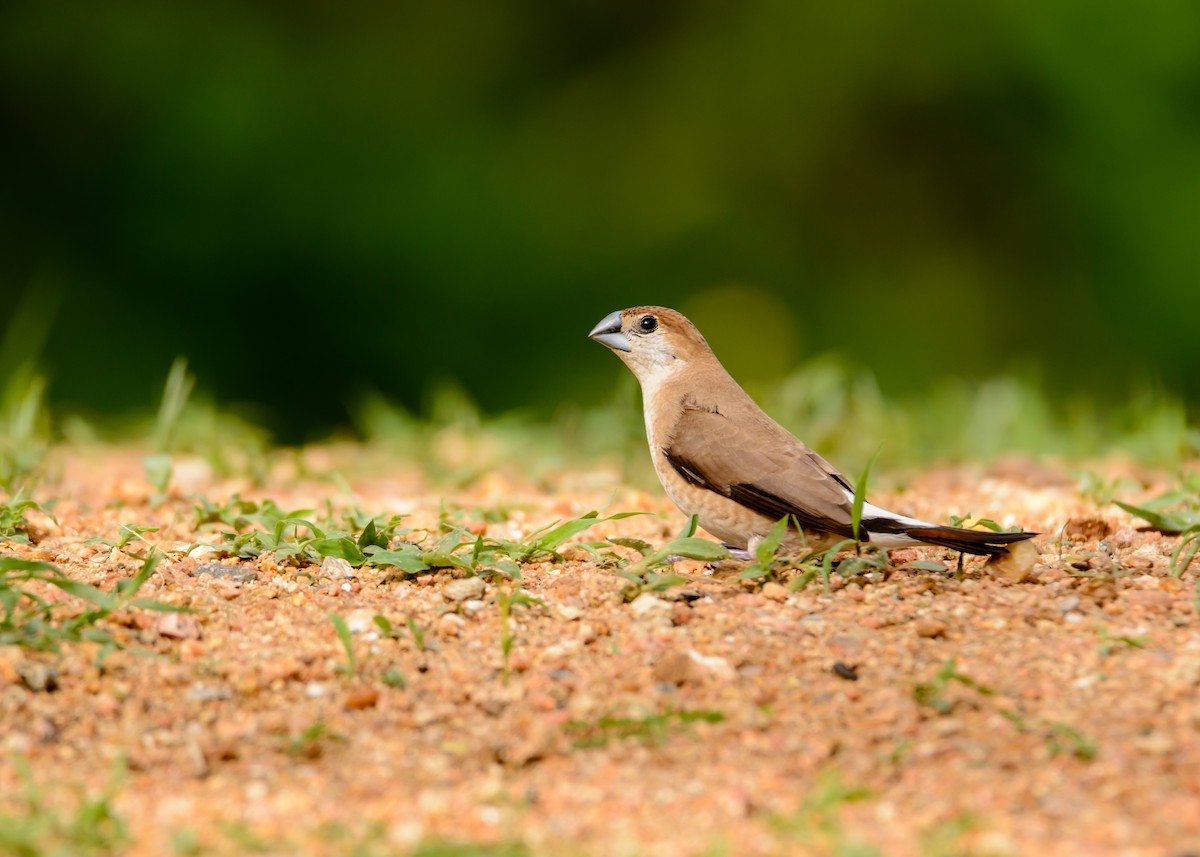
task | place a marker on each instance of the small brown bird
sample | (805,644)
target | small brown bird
(721,458)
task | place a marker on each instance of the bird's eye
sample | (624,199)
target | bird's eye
(648,323)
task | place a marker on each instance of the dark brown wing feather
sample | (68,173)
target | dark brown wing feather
(776,475)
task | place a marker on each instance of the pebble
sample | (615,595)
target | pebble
(178,626)
(463,589)
(38,677)
(1067,603)
(361,697)
(774,591)
(336,568)
(928,627)
(361,621)
(1154,599)
(201,692)
(236,573)
(690,667)
(646,604)
(450,624)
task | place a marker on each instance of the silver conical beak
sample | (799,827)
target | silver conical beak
(608,332)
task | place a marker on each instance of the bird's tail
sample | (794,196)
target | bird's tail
(977,542)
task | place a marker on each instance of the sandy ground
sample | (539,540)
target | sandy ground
(917,714)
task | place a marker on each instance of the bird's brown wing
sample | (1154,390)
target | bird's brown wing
(757,463)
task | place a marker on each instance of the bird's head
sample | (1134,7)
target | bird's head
(653,341)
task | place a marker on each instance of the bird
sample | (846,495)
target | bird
(720,457)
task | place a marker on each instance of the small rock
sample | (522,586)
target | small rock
(472,606)
(1153,599)
(646,604)
(450,624)
(315,690)
(336,568)
(463,589)
(1016,565)
(1087,529)
(1067,603)
(361,697)
(236,573)
(568,612)
(928,627)
(38,677)
(361,621)
(847,671)
(538,740)
(774,591)
(178,626)
(689,667)
(678,668)
(201,692)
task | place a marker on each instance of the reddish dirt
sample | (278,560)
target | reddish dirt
(1069,723)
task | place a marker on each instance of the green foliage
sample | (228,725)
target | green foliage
(128,534)
(13,526)
(817,824)
(1178,513)
(507,599)
(312,742)
(347,640)
(643,575)
(447,849)
(649,728)
(159,465)
(31,620)
(38,826)
(764,562)
(261,527)
(822,564)
(932,693)
(1060,738)
(860,497)
(24,437)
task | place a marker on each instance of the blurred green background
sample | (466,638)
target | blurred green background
(312,201)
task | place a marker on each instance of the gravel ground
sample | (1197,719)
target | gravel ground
(917,714)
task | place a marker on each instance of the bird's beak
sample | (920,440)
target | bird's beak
(608,332)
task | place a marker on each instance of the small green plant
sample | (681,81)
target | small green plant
(1060,737)
(932,693)
(1108,642)
(28,619)
(649,728)
(313,741)
(817,825)
(765,563)
(1175,512)
(38,827)
(126,535)
(343,633)
(1067,740)
(159,465)
(508,598)
(13,526)
(23,430)
(823,563)
(945,839)
(643,575)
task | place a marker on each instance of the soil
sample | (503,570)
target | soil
(913,712)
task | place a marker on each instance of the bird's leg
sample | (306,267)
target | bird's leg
(740,554)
